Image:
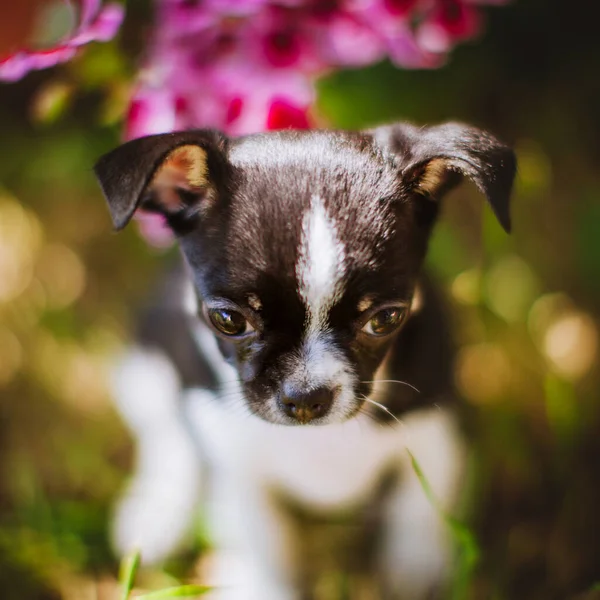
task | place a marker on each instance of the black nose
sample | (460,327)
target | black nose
(306,406)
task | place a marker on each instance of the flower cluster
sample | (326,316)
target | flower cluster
(95,23)
(249,65)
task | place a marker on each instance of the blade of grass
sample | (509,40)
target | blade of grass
(129,567)
(463,537)
(182,591)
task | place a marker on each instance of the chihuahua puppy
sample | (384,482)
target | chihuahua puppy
(284,373)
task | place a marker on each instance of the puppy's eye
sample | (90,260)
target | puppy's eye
(229,322)
(386,321)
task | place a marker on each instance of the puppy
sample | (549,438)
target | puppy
(285,371)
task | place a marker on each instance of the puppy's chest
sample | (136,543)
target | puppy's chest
(323,467)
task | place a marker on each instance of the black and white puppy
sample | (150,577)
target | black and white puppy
(267,367)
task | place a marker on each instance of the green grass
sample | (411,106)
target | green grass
(129,567)
(466,544)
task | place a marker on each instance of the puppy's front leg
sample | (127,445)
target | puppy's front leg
(255,541)
(253,537)
(156,511)
(417,547)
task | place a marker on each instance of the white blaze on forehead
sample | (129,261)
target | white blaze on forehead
(320,265)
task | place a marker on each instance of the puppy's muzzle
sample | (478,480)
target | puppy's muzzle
(305,406)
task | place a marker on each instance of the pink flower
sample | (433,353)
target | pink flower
(400,7)
(392,20)
(283,115)
(450,22)
(95,24)
(154,229)
(282,47)
(150,111)
(245,66)
(351,42)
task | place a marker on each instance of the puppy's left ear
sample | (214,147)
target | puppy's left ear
(178,175)
(433,159)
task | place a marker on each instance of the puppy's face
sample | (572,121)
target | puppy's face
(305,247)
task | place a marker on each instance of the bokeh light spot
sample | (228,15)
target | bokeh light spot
(510,288)
(20,239)
(535,171)
(544,312)
(483,373)
(62,274)
(466,287)
(571,344)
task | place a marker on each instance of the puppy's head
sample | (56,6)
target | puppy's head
(305,247)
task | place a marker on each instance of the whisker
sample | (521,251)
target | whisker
(394,381)
(384,409)
(373,418)
(239,409)
(229,394)
(236,402)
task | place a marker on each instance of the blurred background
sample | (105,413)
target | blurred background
(525,307)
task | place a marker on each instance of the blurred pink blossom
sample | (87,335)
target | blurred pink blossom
(223,63)
(96,23)
(450,22)
(154,229)
(250,65)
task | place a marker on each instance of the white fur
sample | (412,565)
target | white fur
(293,457)
(356,451)
(161,500)
(320,266)
(328,467)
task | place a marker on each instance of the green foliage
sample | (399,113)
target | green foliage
(468,551)
(183,591)
(129,568)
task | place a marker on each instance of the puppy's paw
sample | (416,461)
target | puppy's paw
(419,563)
(154,519)
(235,576)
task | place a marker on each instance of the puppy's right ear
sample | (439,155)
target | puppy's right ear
(176,174)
